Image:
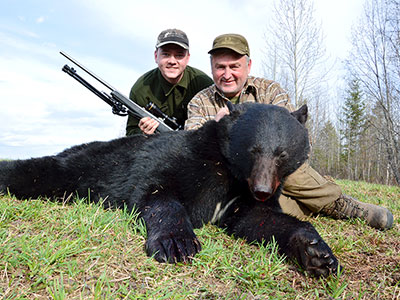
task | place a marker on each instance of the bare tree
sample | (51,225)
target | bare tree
(375,63)
(294,48)
(295,56)
(326,153)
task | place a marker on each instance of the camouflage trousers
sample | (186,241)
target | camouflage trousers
(306,192)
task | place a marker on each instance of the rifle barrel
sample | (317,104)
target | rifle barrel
(87,70)
(121,105)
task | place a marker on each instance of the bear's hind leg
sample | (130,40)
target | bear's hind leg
(170,236)
(32,178)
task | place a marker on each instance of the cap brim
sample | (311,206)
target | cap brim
(172,42)
(229,48)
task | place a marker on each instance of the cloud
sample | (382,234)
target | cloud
(41,105)
(40,20)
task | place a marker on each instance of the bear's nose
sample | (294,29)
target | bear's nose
(262,193)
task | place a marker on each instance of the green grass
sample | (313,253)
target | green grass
(81,251)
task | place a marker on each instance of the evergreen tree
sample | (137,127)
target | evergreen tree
(353,121)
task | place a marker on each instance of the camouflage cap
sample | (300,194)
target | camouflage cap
(232,41)
(173,36)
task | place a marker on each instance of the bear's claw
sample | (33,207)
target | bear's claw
(173,250)
(314,254)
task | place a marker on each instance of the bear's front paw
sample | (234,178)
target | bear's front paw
(314,254)
(173,249)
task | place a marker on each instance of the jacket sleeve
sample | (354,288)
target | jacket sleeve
(196,116)
(132,125)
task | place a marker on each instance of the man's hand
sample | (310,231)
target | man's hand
(148,125)
(222,112)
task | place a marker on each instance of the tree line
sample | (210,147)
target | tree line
(354,133)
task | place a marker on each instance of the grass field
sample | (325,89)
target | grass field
(81,251)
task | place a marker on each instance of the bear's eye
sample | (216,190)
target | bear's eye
(283,156)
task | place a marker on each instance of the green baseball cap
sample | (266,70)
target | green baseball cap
(232,41)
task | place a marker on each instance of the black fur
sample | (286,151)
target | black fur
(180,180)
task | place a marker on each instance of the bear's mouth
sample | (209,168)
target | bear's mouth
(262,195)
(264,192)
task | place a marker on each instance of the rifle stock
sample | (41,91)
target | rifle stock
(121,105)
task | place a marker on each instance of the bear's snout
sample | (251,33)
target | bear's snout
(263,181)
(262,192)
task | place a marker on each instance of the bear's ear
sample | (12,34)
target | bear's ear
(234,109)
(231,106)
(301,114)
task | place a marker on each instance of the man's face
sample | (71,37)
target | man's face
(172,61)
(230,71)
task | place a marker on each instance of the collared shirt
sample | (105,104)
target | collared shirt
(205,104)
(171,99)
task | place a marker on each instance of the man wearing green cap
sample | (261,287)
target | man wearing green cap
(170,86)
(305,192)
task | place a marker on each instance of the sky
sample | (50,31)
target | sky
(44,111)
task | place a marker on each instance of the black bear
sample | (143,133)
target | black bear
(228,172)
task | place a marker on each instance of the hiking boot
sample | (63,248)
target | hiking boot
(347,207)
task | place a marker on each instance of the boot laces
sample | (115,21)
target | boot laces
(346,204)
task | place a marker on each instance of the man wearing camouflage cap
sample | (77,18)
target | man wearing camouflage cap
(305,192)
(171,85)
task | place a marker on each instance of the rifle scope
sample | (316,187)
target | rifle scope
(155,110)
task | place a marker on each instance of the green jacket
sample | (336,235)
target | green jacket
(171,99)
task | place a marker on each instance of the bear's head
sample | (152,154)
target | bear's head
(263,144)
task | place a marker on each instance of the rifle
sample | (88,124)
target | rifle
(121,105)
